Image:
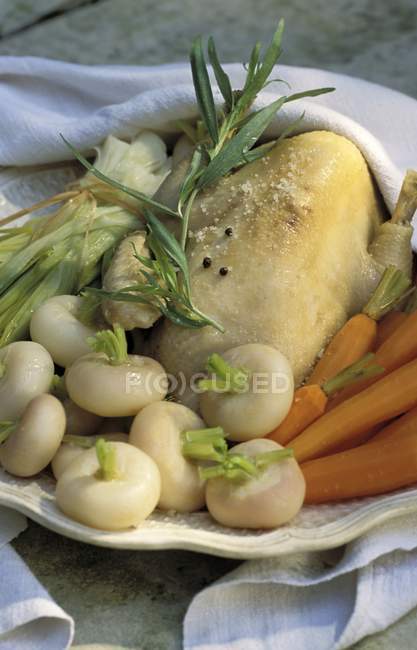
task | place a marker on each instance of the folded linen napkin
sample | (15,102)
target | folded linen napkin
(261,605)
(29,618)
(321,601)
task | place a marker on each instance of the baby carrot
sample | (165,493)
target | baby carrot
(390,396)
(365,437)
(399,349)
(388,325)
(403,426)
(310,401)
(374,468)
(394,319)
(353,341)
(358,335)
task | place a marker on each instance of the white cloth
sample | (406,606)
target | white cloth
(314,600)
(29,618)
(261,605)
(41,98)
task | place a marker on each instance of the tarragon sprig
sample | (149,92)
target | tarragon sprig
(225,142)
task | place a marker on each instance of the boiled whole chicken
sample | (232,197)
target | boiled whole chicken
(282,252)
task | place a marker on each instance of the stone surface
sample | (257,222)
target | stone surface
(138,600)
(361,37)
(17,15)
(120,598)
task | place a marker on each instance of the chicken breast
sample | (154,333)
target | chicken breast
(288,239)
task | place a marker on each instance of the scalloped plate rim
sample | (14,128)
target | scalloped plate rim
(37,504)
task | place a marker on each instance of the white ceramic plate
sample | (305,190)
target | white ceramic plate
(315,528)
(319,527)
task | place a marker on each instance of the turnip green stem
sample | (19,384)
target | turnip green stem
(390,290)
(203,435)
(269,457)
(106,456)
(362,369)
(58,387)
(80,441)
(225,378)
(237,467)
(204,444)
(202,451)
(6,429)
(112,343)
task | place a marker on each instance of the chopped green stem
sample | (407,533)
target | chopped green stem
(57,387)
(391,288)
(203,435)
(362,369)
(215,384)
(204,444)
(112,343)
(243,463)
(269,457)
(6,429)
(106,456)
(80,441)
(203,451)
(235,467)
(225,377)
(214,471)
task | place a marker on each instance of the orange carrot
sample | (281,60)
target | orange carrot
(308,405)
(364,438)
(374,468)
(310,401)
(390,396)
(403,426)
(388,325)
(352,342)
(358,335)
(398,349)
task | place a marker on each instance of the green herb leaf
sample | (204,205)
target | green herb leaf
(259,73)
(192,174)
(168,243)
(222,78)
(314,92)
(258,152)
(252,65)
(203,89)
(233,152)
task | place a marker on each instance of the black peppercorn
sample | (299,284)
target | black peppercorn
(224,270)
(207,262)
(229,231)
